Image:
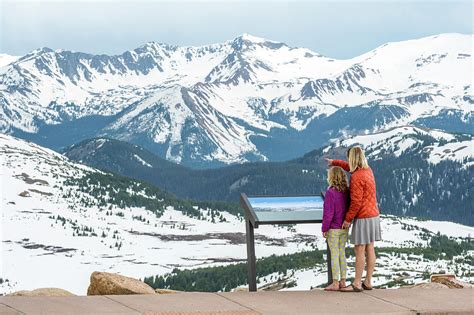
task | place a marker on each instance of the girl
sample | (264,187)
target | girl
(363,211)
(335,208)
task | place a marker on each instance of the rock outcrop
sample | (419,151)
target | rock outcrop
(104,283)
(42,292)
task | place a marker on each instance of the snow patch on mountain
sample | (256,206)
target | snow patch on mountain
(142,161)
(7,59)
(458,151)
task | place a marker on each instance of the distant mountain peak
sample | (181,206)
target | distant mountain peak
(251,38)
(246,40)
(42,50)
(156,46)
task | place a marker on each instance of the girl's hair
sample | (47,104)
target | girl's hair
(337,178)
(356,159)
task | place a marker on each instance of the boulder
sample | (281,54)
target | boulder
(166,291)
(105,283)
(24,194)
(449,281)
(441,281)
(426,285)
(42,292)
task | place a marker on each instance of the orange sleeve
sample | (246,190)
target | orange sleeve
(357,194)
(341,163)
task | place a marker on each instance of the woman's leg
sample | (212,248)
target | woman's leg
(370,251)
(360,264)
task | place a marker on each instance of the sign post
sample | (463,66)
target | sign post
(251,259)
(278,210)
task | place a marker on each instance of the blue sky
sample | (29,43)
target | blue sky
(339,29)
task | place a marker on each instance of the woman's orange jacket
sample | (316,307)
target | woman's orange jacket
(363,193)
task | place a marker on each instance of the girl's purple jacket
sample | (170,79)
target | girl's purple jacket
(336,204)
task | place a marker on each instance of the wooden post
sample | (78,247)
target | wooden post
(251,259)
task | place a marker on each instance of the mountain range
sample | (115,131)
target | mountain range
(247,99)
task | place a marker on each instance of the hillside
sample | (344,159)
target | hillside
(60,213)
(418,171)
(246,99)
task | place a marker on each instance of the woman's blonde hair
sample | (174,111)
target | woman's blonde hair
(356,159)
(337,178)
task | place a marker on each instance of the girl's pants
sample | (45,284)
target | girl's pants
(337,239)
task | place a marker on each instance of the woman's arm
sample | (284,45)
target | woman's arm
(341,163)
(328,211)
(357,195)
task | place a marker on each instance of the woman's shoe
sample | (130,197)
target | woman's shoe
(351,288)
(366,287)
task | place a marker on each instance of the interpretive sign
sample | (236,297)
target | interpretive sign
(261,210)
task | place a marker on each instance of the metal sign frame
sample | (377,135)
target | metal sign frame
(252,223)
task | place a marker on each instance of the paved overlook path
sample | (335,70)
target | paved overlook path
(402,301)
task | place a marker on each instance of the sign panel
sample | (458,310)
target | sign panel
(284,209)
(278,210)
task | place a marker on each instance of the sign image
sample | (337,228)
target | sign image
(278,209)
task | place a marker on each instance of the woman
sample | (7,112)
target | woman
(363,214)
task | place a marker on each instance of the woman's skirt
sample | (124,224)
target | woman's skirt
(366,231)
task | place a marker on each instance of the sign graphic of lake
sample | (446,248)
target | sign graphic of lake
(287,208)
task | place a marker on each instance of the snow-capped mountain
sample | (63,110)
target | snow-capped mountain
(242,100)
(58,213)
(433,145)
